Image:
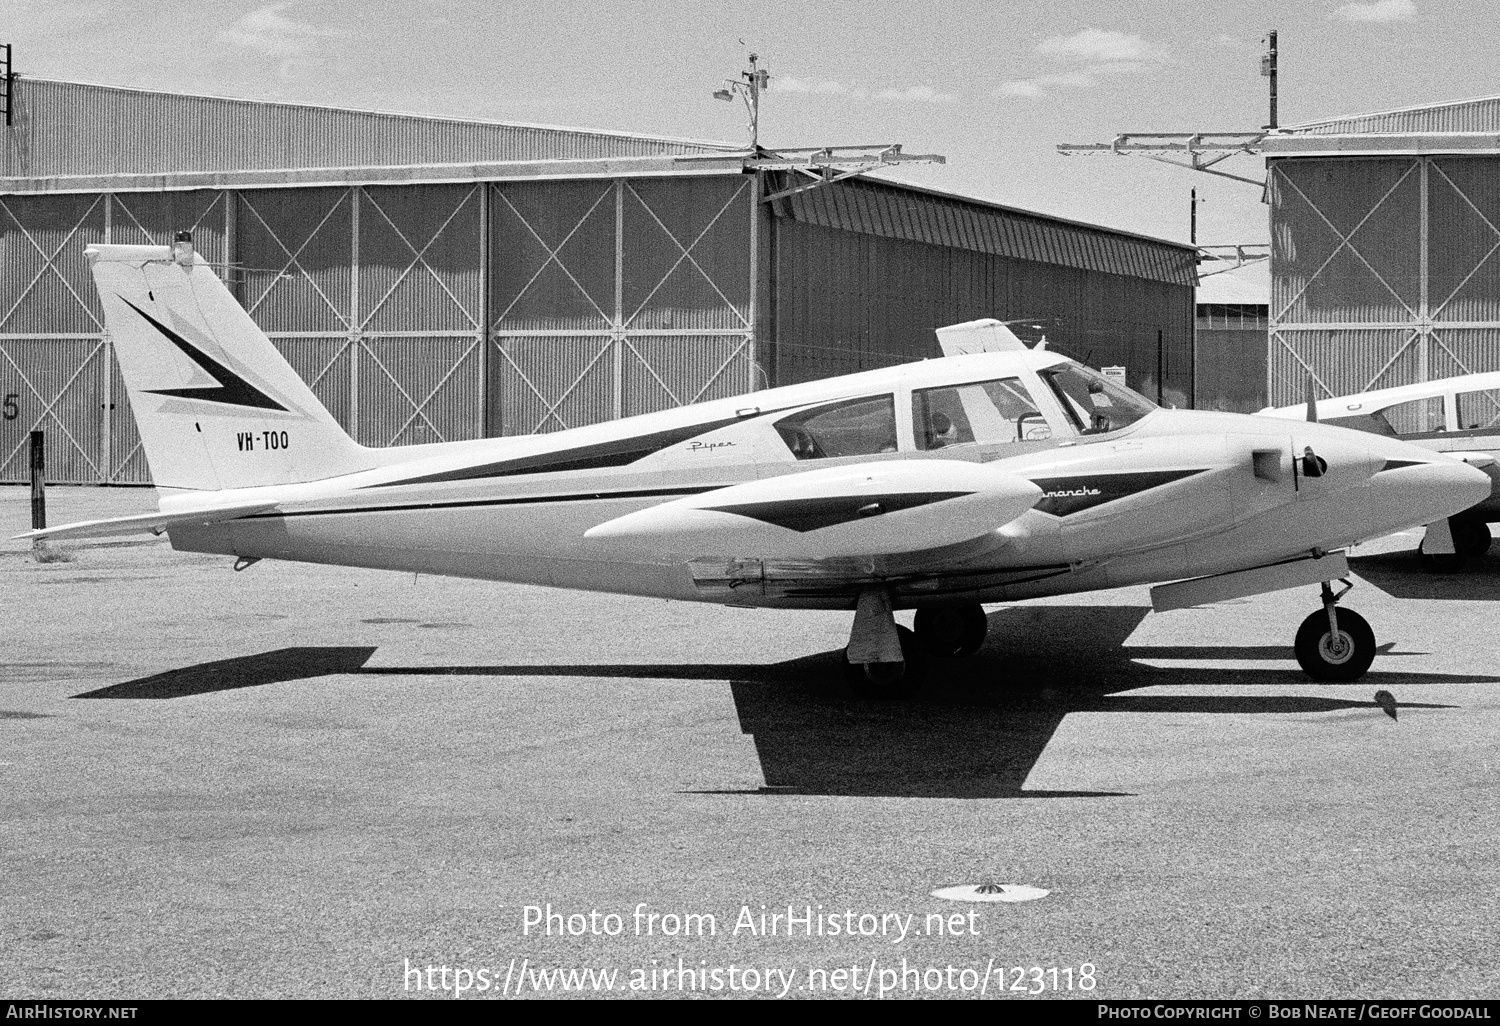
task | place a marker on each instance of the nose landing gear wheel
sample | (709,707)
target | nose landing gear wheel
(889,680)
(1335,659)
(952,630)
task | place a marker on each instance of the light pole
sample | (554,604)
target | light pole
(749,86)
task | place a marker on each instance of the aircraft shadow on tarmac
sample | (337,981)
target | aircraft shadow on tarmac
(1401,575)
(976,730)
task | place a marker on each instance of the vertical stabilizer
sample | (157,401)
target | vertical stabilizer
(217,406)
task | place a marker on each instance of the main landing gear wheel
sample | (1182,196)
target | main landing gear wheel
(952,630)
(1335,646)
(889,680)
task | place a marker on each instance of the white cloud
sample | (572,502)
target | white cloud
(1378,10)
(1020,87)
(1092,44)
(1045,85)
(267,30)
(829,87)
(915,94)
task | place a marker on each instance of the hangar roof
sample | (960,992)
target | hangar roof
(1459,126)
(72,136)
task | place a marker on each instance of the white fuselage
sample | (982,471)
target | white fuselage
(1176,494)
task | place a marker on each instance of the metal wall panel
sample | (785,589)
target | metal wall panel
(1464,351)
(1230,369)
(47,287)
(69,128)
(296,254)
(1464,218)
(327,365)
(154,218)
(662,372)
(685,254)
(552,249)
(1343,361)
(1342,241)
(58,388)
(551,382)
(127,457)
(847,301)
(619,297)
(1384,271)
(898,212)
(419,258)
(414,391)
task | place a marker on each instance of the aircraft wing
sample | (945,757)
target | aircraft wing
(863,509)
(141,523)
(1482,460)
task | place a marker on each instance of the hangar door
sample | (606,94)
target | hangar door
(417,313)
(612,298)
(1385,271)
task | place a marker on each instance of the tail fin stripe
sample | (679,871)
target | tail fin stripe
(232,389)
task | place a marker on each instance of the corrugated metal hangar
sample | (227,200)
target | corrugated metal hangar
(436,279)
(1385,230)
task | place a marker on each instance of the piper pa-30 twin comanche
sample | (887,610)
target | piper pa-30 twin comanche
(998,475)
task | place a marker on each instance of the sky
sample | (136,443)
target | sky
(993,87)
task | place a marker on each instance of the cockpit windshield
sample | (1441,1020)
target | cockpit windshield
(1093,402)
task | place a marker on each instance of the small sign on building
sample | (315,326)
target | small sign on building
(1116,374)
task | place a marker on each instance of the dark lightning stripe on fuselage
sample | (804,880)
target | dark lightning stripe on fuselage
(231,390)
(803,515)
(645,493)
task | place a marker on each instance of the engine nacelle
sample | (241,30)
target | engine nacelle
(862,509)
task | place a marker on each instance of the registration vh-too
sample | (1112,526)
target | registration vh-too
(996,473)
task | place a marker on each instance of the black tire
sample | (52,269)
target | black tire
(1471,536)
(886,681)
(1324,663)
(952,630)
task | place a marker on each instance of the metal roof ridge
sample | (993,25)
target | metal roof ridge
(1023,212)
(605,132)
(1384,113)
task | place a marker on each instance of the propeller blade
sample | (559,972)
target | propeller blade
(1312,401)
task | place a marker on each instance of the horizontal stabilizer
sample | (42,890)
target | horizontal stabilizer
(865,509)
(982,336)
(143,523)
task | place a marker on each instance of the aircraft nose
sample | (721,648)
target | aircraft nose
(1433,485)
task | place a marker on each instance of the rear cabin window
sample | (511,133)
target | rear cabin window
(1478,410)
(984,411)
(854,427)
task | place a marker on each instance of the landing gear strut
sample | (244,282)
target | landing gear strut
(1335,646)
(951,630)
(1470,537)
(884,660)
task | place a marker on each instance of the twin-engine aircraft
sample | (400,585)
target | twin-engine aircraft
(999,475)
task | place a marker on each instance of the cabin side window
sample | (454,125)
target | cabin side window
(1478,410)
(854,427)
(983,411)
